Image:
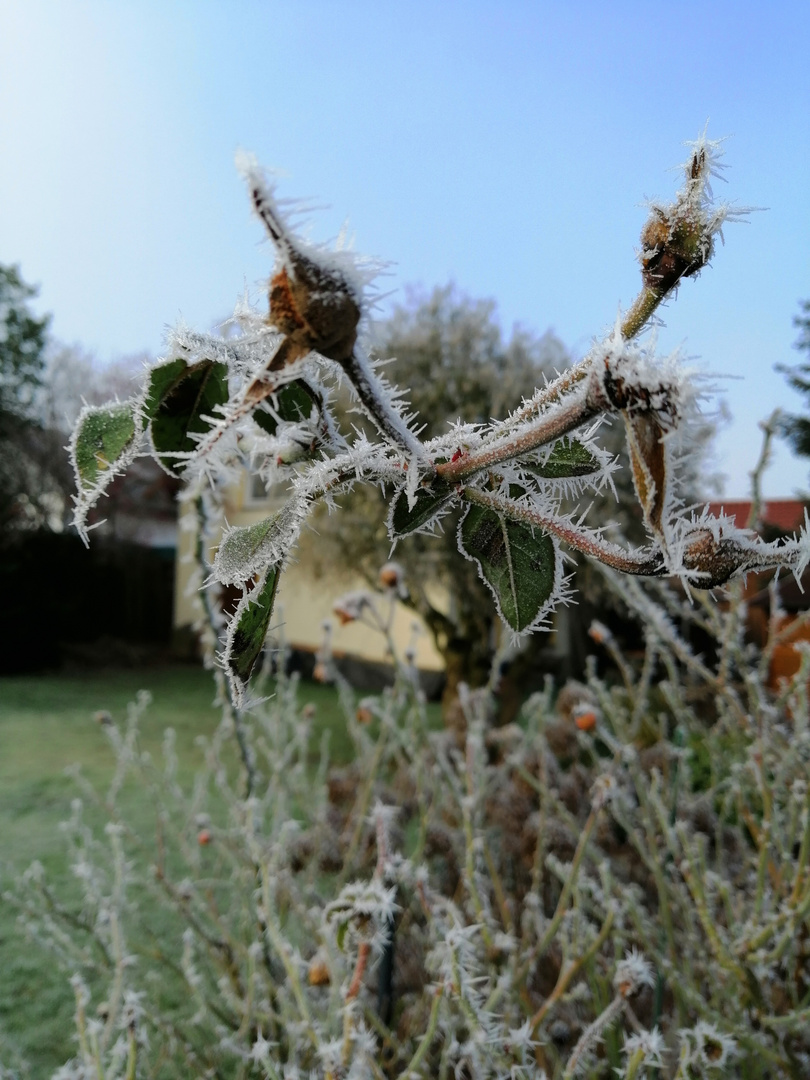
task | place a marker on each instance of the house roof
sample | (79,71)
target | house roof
(788,516)
(785,514)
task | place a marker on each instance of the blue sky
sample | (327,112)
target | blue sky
(507,146)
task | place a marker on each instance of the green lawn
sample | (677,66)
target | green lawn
(46,725)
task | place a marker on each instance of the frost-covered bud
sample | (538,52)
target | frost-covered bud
(290,454)
(674,245)
(712,560)
(600,633)
(315,308)
(351,606)
(603,791)
(632,973)
(314,302)
(365,909)
(392,576)
(707,1046)
(636,383)
(677,241)
(132,1010)
(649,1045)
(185,890)
(260,1051)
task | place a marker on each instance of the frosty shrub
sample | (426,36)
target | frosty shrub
(617,885)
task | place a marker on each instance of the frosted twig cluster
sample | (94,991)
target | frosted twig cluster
(262,400)
(617,886)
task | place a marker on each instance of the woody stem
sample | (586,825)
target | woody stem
(387,420)
(645,563)
(573,411)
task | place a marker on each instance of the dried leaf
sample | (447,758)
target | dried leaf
(648,457)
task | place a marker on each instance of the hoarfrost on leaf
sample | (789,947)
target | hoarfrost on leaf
(248,550)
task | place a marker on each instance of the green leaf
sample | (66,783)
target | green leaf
(161,381)
(429,501)
(568,457)
(251,621)
(248,549)
(519,565)
(294,403)
(177,401)
(340,937)
(103,436)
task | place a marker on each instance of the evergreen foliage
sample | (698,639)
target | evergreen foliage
(23,339)
(797,428)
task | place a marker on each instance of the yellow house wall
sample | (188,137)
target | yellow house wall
(303,603)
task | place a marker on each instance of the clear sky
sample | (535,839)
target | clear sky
(505,145)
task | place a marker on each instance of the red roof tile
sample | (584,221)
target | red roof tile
(787,514)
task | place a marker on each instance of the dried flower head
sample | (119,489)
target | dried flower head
(351,606)
(677,240)
(707,1046)
(632,973)
(603,791)
(392,576)
(649,1044)
(365,909)
(599,633)
(314,302)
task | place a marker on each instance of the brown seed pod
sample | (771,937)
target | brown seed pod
(674,244)
(654,235)
(715,560)
(315,308)
(312,303)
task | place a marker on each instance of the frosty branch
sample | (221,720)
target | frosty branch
(263,399)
